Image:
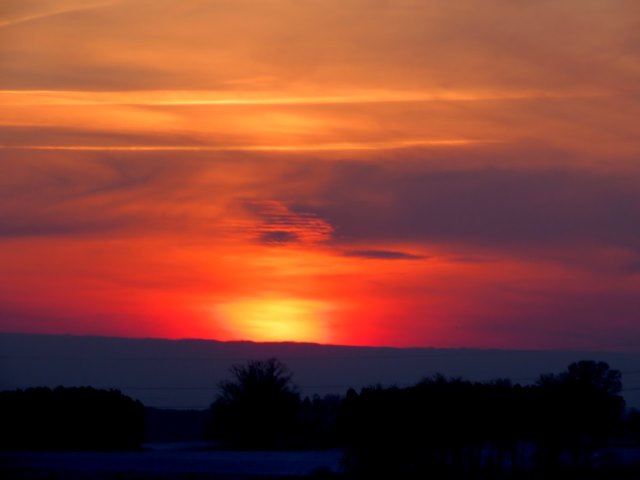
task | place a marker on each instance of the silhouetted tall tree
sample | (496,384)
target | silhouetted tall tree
(258,407)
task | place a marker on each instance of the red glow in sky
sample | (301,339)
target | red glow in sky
(352,172)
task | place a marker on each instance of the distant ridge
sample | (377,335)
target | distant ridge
(185,373)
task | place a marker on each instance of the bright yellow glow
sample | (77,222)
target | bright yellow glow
(277,319)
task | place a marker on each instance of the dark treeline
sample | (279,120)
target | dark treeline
(441,426)
(455,427)
(80,418)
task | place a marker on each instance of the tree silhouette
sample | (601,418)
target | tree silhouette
(587,375)
(258,407)
(578,411)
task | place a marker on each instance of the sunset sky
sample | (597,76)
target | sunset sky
(364,172)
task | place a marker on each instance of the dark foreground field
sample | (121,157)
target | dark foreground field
(171,462)
(166,463)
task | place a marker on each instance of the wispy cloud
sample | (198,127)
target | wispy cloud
(281,225)
(6,22)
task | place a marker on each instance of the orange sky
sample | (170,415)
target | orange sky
(367,172)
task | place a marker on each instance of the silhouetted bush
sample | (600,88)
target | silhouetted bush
(69,419)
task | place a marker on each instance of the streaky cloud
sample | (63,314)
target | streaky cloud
(273,98)
(384,255)
(384,145)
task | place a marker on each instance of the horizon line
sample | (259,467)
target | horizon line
(595,350)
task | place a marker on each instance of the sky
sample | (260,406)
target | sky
(357,172)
